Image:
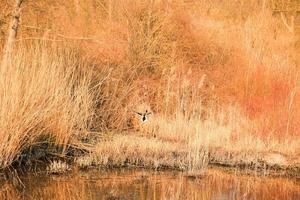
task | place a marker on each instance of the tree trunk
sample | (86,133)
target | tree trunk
(13,30)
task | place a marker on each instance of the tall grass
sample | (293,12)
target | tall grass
(215,75)
(43,98)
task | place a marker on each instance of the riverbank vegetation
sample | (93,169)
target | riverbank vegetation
(220,79)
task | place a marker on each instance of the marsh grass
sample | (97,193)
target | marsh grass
(220,77)
(57,167)
(43,96)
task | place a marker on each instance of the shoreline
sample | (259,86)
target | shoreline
(154,153)
(269,164)
(131,150)
(292,173)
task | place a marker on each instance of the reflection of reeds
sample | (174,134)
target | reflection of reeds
(8,191)
(153,185)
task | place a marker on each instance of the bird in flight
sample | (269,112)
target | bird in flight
(144,116)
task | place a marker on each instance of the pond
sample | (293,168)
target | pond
(125,184)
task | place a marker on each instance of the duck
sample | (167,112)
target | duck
(144,116)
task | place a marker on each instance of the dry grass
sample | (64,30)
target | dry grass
(57,167)
(128,150)
(43,98)
(218,76)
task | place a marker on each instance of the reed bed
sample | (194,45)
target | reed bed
(43,98)
(220,78)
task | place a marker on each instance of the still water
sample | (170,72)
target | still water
(145,184)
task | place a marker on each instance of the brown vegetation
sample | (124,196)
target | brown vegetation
(43,99)
(220,77)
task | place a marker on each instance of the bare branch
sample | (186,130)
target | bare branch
(39,38)
(62,36)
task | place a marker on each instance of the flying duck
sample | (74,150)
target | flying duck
(144,116)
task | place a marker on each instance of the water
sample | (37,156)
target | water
(143,184)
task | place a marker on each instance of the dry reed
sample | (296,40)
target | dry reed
(216,75)
(43,98)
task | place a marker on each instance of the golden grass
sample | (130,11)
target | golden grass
(57,167)
(43,98)
(218,76)
(128,150)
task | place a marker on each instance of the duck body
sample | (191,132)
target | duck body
(144,116)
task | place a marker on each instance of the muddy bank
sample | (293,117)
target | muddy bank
(266,163)
(151,153)
(125,151)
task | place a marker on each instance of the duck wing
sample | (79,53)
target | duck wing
(141,114)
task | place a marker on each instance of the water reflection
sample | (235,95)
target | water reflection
(129,184)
